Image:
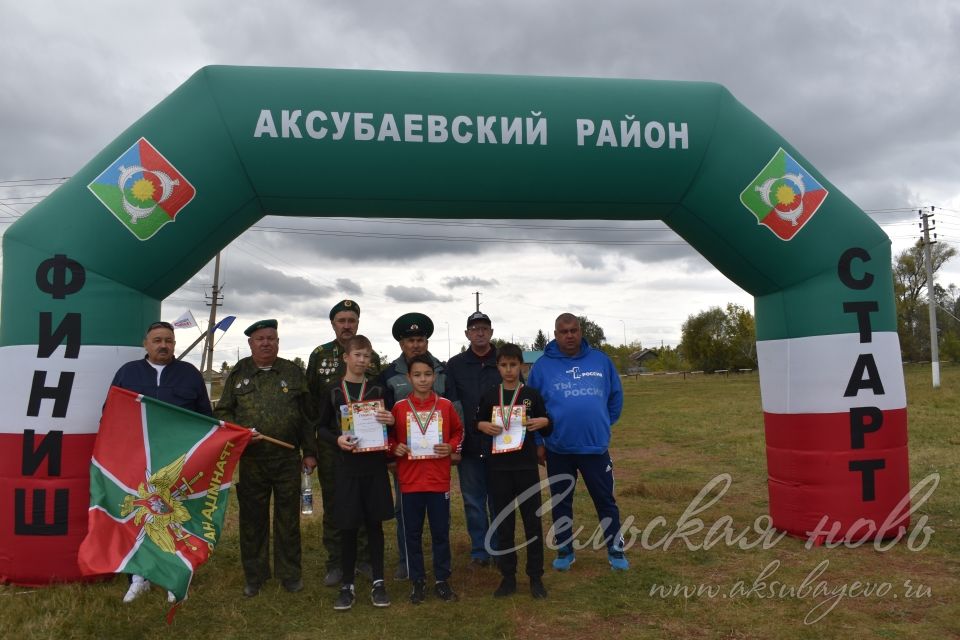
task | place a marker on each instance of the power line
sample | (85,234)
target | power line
(16,214)
(21,182)
(402,236)
(485,224)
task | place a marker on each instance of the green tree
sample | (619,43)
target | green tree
(499,342)
(720,339)
(300,363)
(948,322)
(540,342)
(910,292)
(592,332)
(668,359)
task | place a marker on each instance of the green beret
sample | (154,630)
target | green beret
(345,305)
(412,324)
(260,324)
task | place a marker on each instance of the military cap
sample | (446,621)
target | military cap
(260,324)
(345,305)
(412,324)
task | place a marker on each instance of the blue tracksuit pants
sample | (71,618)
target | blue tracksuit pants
(597,472)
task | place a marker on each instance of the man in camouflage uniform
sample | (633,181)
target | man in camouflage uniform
(326,364)
(269,394)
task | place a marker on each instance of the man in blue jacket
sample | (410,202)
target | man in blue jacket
(584,397)
(160,375)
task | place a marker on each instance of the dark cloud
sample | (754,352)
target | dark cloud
(245,279)
(414,294)
(585,241)
(342,240)
(349,287)
(252,291)
(469,281)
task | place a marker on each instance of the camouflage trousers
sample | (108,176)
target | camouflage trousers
(331,535)
(259,479)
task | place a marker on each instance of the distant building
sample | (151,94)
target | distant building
(529,357)
(639,359)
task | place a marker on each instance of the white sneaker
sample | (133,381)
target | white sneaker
(170,597)
(138,587)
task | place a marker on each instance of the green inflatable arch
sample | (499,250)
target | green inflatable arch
(87,269)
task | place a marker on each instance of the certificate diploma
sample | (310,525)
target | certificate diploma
(371,434)
(511,438)
(421,440)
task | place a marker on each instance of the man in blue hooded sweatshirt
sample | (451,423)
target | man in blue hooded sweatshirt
(584,397)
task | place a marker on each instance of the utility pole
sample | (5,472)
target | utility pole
(931,298)
(477,294)
(215,299)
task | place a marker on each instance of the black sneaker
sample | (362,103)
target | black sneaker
(378,595)
(444,592)
(345,599)
(419,592)
(508,586)
(537,590)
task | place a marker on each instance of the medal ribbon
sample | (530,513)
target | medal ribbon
(505,419)
(420,423)
(346,392)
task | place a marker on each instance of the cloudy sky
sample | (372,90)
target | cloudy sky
(866,90)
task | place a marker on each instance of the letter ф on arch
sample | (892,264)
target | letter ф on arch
(256,140)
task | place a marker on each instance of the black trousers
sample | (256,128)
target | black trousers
(348,549)
(506,486)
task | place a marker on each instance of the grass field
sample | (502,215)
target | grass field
(674,437)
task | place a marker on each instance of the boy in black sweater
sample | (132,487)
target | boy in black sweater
(506,412)
(362,491)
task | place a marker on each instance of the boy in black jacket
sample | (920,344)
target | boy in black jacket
(506,412)
(362,490)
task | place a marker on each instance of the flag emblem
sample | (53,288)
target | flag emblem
(159,510)
(142,189)
(159,480)
(783,196)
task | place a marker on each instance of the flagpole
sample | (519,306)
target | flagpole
(207,370)
(281,443)
(193,344)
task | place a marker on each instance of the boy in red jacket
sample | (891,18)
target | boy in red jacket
(426,431)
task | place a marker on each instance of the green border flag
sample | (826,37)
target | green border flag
(159,480)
